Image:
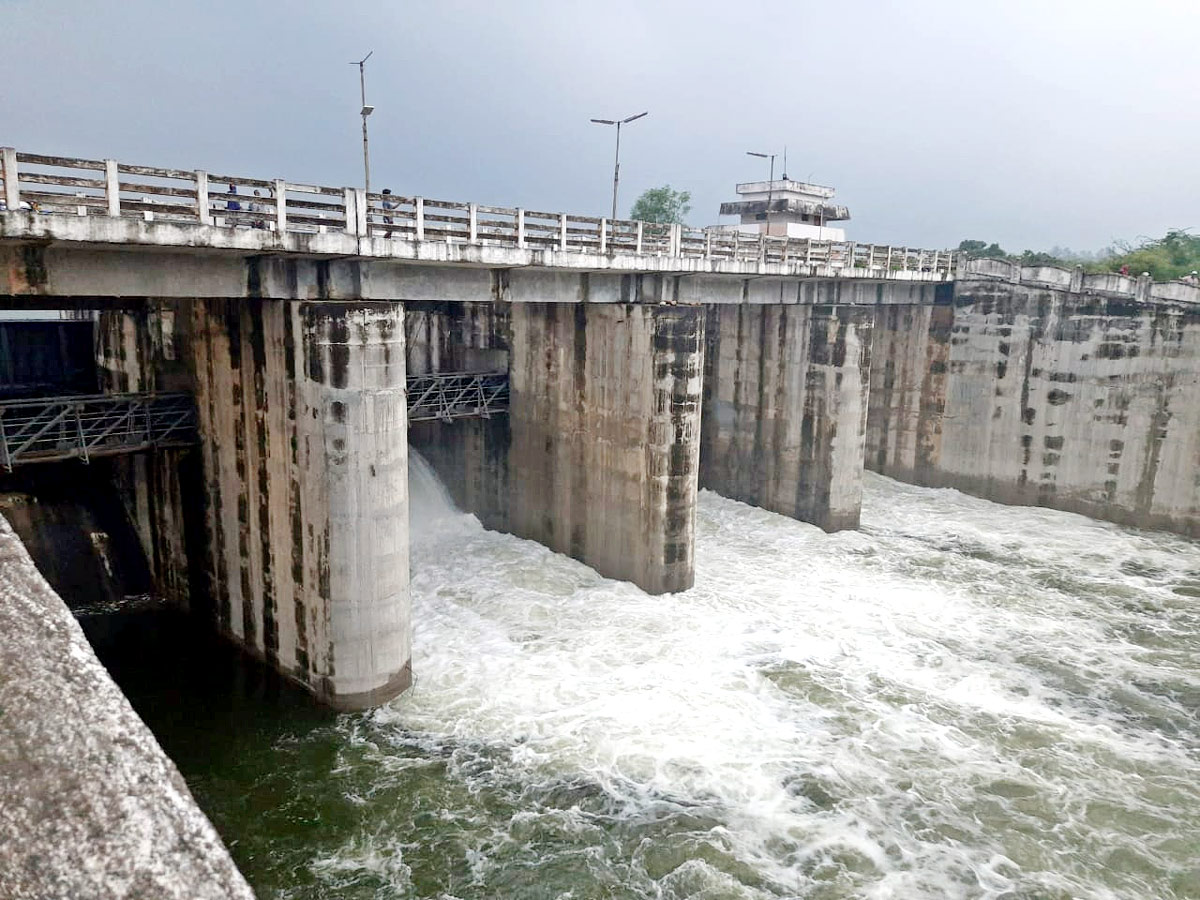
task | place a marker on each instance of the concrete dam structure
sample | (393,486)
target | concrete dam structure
(631,365)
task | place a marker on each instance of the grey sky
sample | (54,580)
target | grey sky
(1030,122)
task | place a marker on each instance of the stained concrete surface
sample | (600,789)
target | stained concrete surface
(90,806)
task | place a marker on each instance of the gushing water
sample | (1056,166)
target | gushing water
(959,700)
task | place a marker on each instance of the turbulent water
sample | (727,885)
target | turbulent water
(960,700)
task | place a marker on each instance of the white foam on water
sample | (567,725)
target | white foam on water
(960,700)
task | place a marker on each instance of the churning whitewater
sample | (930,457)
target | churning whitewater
(960,700)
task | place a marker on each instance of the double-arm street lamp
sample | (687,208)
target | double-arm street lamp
(617,162)
(366,111)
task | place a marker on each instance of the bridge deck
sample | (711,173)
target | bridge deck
(89,188)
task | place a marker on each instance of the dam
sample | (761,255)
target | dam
(600,399)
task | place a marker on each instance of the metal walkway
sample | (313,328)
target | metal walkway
(48,429)
(457,395)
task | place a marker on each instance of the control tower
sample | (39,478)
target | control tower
(786,208)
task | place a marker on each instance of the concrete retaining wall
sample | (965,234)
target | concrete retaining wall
(1024,393)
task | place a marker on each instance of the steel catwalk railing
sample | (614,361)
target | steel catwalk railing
(94,187)
(47,429)
(444,396)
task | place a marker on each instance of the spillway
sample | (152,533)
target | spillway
(961,699)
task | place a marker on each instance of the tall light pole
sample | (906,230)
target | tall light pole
(617,159)
(770,183)
(366,111)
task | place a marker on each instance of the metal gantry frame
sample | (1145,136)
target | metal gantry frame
(443,396)
(47,429)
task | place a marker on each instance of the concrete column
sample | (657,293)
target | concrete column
(203,208)
(112,187)
(605,428)
(785,403)
(303,421)
(12,185)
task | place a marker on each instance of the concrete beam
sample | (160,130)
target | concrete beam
(129,232)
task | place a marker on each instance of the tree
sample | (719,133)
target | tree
(976,249)
(1174,256)
(662,205)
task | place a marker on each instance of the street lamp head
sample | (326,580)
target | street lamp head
(631,118)
(366,111)
(759,155)
(604,121)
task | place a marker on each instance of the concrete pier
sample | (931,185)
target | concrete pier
(303,554)
(785,402)
(605,424)
(598,456)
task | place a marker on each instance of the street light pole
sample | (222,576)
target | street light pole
(617,157)
(366,111)
(770,183)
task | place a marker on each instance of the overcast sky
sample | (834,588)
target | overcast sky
(1031,122)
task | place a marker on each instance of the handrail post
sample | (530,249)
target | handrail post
(639,237)
(361,220)
(473,216)
(112,187)
(351,204)
(419,217)
(12,184)
(280,205)
(520,228)
(676,239)
(603,236)
(203,209)
(1141,290)
(708,243)
(562,231)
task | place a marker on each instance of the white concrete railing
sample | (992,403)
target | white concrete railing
(87,187)
(1106,284)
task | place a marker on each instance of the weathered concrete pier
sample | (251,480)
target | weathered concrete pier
(616,368)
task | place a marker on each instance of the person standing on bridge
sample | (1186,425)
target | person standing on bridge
(256,206)
(233,204)
(388,204)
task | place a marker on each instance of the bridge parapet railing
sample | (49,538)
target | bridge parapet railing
(88,187)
